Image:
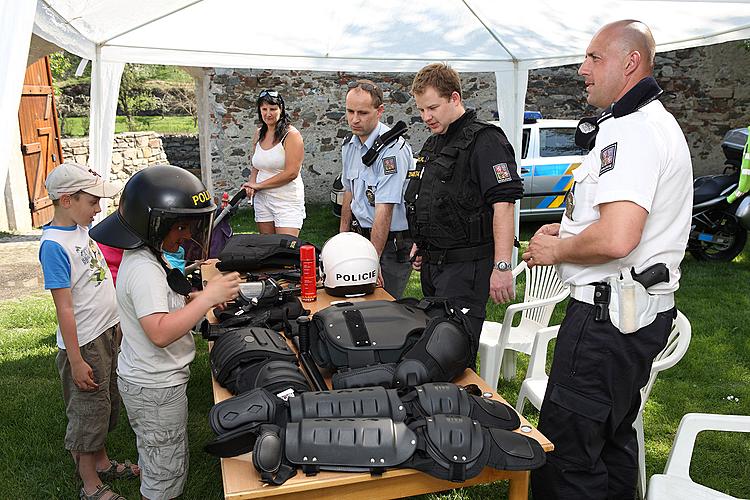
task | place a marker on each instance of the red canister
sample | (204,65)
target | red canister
(309,278)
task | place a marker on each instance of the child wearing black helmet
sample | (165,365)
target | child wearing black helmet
(161,208)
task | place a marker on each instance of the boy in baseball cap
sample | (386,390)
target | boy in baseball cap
(88,333)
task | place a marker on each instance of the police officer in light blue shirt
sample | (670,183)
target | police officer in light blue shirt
(374,195)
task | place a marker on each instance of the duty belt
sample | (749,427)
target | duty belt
(392,235)
(585,293)
(440,256)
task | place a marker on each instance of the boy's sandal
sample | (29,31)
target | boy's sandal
(100,493)
(112,471)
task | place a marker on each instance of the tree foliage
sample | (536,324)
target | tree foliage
(134,96)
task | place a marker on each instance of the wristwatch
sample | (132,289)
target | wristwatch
(501,265)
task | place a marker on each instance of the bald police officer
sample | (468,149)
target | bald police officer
(374,195)
(629,210)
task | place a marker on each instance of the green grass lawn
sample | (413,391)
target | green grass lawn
(714,297)
(78,126)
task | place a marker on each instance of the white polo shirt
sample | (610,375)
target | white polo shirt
(643,158)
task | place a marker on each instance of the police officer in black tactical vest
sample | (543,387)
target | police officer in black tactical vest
(460,200)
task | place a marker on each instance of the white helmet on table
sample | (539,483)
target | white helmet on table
(350,265)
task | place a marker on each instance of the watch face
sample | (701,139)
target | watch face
(502,266)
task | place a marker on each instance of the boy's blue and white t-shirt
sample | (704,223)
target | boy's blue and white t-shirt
(71,259)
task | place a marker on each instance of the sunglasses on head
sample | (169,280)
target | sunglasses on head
(369,87)
(269,93)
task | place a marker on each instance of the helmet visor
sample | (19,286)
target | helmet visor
(187,231)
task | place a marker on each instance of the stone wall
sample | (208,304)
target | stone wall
(131,152)
(182,150)
(707,89)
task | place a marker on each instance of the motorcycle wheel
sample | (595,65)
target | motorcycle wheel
(707,251)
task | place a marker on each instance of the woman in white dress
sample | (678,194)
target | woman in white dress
(275,182)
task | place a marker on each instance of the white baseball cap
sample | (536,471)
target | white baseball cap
(70,178)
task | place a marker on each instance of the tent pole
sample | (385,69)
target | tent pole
(105,87)
(511,96)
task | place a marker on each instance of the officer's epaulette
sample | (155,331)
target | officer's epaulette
(347,138)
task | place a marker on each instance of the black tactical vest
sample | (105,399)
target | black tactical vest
(444,205)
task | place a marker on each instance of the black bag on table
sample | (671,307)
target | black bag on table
(249,252)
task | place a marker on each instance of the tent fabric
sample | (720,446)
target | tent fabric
(508,37)
(387,35)
(105,87)
(15,25)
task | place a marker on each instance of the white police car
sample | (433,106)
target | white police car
(549,155)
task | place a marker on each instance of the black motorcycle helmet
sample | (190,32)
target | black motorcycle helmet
(152,201)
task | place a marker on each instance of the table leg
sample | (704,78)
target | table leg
(518,486)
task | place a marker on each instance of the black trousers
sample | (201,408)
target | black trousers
(592,399)
(467,284)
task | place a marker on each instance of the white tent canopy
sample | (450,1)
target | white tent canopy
(505,37)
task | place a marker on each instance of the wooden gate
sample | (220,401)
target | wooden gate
(40,137)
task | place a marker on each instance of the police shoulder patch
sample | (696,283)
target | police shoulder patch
(502,174)
(608,158)
(389,165)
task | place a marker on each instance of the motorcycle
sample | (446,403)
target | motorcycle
(721,207)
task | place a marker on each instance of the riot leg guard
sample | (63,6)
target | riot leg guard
(445,398)
(450,447)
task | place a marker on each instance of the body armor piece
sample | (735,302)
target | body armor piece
(445,398)
(348,403)
(393,344)
(451,447)
(444,205)
(353,335)
(242,347)
(237,421)
(352,444)
(275,375)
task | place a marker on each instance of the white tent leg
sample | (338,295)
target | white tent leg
(511,101)
(105,87)
(204,130)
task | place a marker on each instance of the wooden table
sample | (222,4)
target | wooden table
(241,480)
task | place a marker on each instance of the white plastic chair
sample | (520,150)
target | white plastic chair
(677,345)
(499,342)
(675,483)
(535,383)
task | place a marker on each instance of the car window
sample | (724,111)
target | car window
(525,142)
(558,142)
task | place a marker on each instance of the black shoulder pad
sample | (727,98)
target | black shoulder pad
(253,407)
(513,451)
(494,414)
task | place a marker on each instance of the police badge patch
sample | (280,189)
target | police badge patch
(608,158)
(389,165)
(570,203)
(501,172)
